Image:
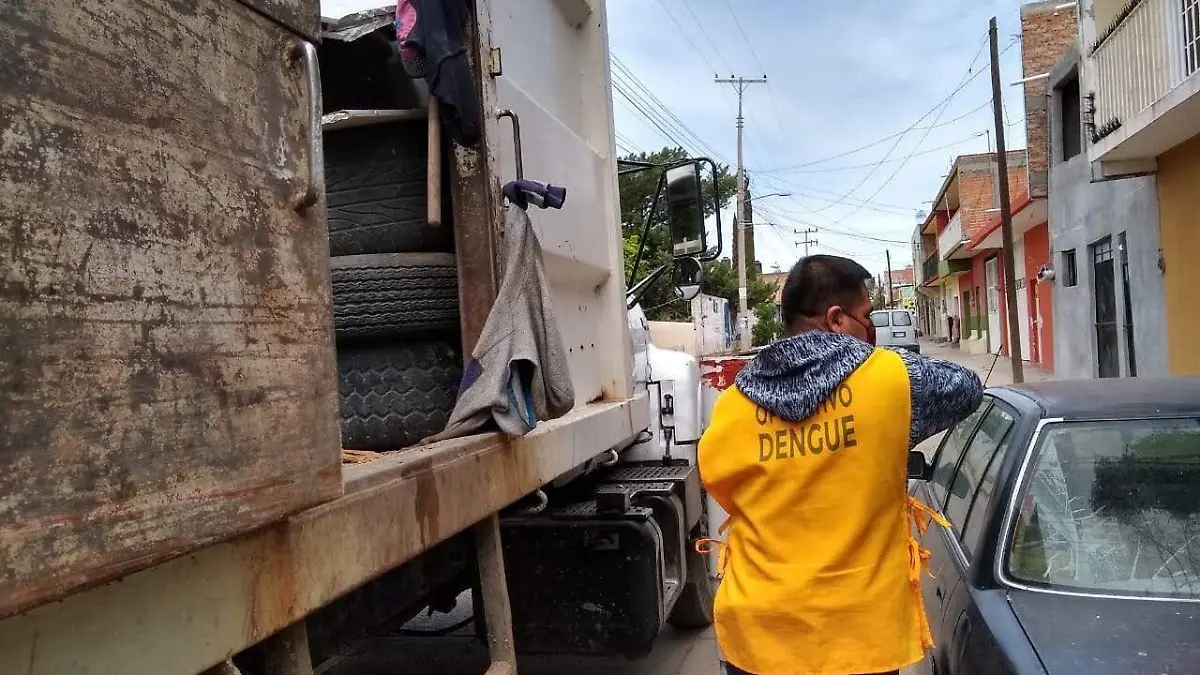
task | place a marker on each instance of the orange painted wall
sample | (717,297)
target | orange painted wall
(1037,253)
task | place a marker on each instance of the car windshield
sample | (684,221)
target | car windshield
(1112,507)
(880,319)
(901,319)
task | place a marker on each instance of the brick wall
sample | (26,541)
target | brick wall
(1045,35)
(976,194)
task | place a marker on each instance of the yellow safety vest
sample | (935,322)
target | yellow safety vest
(820,570)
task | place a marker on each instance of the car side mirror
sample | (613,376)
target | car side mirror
(918,467)
(685,210)
(688,274)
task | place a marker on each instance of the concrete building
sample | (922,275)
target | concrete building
(962,283)
(1139,69)
(1110,301)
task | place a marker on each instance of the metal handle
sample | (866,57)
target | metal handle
(516,125)
(305,54)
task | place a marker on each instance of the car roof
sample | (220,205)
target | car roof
(1111,398)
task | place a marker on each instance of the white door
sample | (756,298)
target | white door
(1022,298)
(992,272)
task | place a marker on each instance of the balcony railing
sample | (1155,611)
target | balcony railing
(929,268)
(1148,50)
(953,237)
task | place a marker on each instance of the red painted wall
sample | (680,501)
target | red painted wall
(1037,253)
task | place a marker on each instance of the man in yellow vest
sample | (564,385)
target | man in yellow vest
(808,455)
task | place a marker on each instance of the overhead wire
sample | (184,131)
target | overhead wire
(914,126)
(716,49)
(696,47)
(922,140)
(940,108)
(851,167)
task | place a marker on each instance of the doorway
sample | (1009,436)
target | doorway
(1130,352)
(1035,320)
(1108,363)
(992,274)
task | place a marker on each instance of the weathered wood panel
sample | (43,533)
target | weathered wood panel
(302,16)
(166,363)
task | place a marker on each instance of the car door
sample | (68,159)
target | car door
(934,493)
(972,494)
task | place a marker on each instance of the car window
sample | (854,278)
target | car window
(951,451)
(1112,507)
(998,423)
(987,440)
(880,319)
(901,319)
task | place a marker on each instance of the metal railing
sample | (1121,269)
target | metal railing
(1145,54)
(929,267)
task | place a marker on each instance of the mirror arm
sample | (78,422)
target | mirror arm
(716,252)
(649,221)
(634,295)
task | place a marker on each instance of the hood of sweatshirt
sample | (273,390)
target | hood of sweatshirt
(793,376)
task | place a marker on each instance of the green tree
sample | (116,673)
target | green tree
(637,195)
(768,328)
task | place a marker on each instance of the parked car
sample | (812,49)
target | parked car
(1074,545)
(896,328)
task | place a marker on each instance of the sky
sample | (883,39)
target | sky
(867,102)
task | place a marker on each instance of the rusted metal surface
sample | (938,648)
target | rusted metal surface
(166,357)
(301,16)
(475,196)
(186,614)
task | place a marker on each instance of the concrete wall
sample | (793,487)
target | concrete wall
(1081,213)
(1179,202)
(674,335)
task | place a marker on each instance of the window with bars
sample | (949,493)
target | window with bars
(1070,273)
(1191,36)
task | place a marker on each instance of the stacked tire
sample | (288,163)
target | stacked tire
(395,288)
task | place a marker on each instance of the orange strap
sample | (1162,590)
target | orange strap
(921,515)
(709,546)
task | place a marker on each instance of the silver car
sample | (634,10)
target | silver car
(896,328)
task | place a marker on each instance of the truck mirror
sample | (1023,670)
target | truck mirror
(685,210)
(918,467)
(688,273)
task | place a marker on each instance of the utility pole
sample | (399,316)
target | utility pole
(1010,272)
(891,297)
(806,242)
(740,83)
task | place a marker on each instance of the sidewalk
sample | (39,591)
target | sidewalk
(1000,368)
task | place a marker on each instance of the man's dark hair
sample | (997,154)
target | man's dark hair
(818,282)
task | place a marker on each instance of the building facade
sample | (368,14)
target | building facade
(961,271)
(1104,231)
(1139,69)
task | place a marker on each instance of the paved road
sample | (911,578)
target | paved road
(676,653)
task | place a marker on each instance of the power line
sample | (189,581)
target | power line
(863,166)
(715,48)
(696,47)
(749,44)
(914,126)
(923,137)
(941,108)
(780,169)
(626,78)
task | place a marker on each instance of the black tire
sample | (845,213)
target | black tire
(375,191)
(392,295)
(694,608)
(395,395)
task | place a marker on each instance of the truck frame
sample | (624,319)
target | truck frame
(349,551)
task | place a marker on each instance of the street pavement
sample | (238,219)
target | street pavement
(676,652)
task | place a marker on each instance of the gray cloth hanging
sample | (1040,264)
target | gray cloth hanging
(518,374)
